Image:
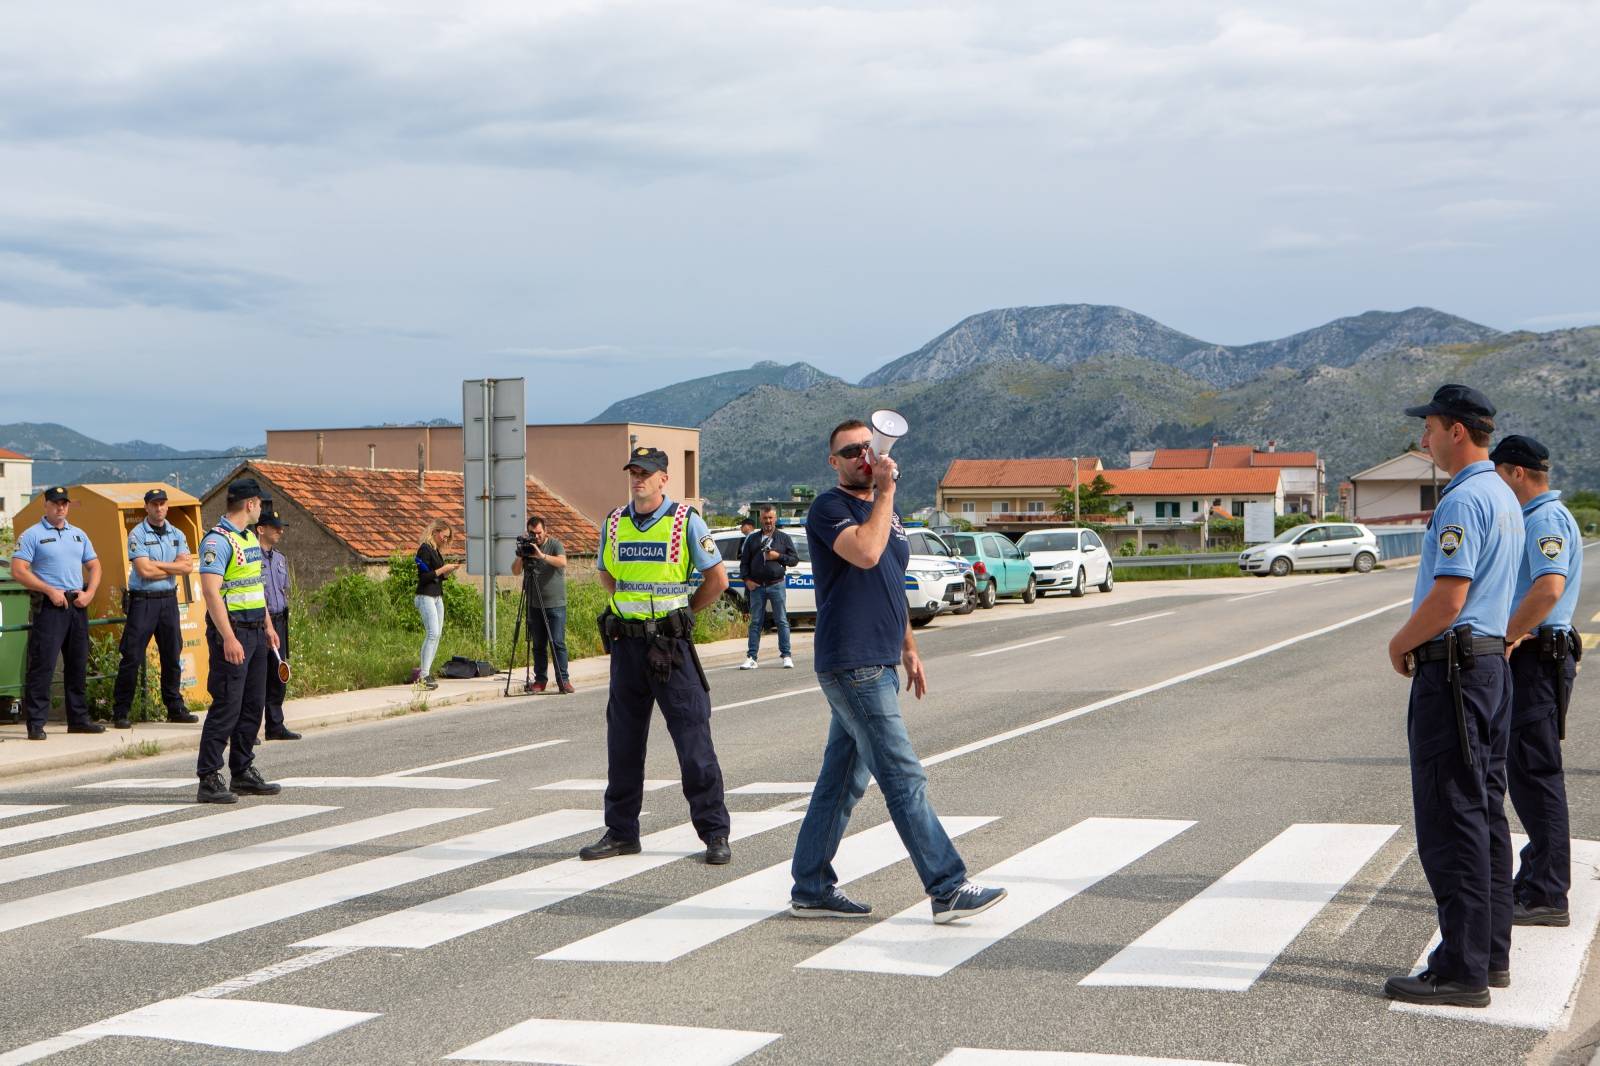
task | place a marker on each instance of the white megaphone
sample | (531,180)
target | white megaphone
(887,427)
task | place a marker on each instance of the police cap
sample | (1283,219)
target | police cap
(243,489)
(155,495)
(1517,450)
(1463,403)
(57,494)
(270,518)
(650,460)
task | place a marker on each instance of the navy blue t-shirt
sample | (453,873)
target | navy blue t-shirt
(861,614)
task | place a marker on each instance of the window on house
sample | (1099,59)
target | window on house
(1035,506)
(1168,509)
(1194,506)
(1238,508)
(1429,498)
(691,483)
(2,470)
(968,507)
(1000,506)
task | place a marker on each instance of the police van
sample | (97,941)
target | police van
(934,585)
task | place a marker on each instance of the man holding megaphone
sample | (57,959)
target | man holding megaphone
(858,558)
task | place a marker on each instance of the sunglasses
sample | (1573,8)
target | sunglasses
(852,451)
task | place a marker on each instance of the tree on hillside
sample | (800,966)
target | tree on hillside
(1093,498)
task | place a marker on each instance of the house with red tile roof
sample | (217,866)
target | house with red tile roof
(984,491)
(16,483)
(1185,496)
(340,518)
(1304,476)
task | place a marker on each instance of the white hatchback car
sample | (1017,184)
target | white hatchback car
(1068,559)
(1318,546)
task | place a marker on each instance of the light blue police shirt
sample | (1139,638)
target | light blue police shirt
(1554,546)
(696,534)
(162,545)
(56,555)
(1476,533)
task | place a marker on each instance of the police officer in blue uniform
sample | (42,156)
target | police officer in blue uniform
(1453,649)
(240,639)
(159,556)
(647,550)
(55,561)
(1544,661)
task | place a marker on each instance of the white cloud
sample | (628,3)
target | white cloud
(1491,210)
(1563,320)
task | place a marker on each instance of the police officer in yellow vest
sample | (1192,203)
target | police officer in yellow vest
(240,641)
(648,550)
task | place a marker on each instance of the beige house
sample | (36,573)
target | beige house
(988,491)
(1304,476)
(1402,489)
(16,483)
(581,463)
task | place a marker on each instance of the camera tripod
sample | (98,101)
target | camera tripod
(532,596)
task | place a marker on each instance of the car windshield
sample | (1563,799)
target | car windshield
(1049,542)
(966,544)
(923,543)
(1289,534)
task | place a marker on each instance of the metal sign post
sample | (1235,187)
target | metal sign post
(494,439)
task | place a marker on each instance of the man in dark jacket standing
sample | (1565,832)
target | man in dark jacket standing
(764,560)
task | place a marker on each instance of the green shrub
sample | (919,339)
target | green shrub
(1588,520)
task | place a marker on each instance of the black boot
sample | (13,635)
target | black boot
(717,851)
(1429,989)
(608,847)
(248,782)
(212,790)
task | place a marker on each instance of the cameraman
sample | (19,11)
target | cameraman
(764,560)
(546,582)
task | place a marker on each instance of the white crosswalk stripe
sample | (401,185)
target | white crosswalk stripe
(106,849)
(1227,936)
(688,925)
(448,917)
(1038,880)
(77,823)
(18,810)
(244,1024)
(559,1042)
(180,875)
(223,917)
(598,784)
(773,788)
(399,780)
(1546,963)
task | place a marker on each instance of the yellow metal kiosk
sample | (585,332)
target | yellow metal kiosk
(107,513)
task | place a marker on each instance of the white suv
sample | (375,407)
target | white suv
(1318,546)
(1068,559)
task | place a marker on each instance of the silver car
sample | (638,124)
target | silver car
(1319,546)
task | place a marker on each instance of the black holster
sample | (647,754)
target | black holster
(659,656)
(1459,657)
(1555,647)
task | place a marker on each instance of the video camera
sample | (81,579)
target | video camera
(528,547)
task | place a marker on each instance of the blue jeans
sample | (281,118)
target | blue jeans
(547,630)
(432,610)
(768,597)
(867,738)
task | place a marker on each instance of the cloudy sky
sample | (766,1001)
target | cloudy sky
(220,216)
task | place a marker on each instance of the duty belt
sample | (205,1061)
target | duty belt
(1437,651)
(140,594)
(1458,649)
(1554,645)
(677,624)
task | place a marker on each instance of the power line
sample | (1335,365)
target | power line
(142,458)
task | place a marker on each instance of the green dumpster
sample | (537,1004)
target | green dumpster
(13,637)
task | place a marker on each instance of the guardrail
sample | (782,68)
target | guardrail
(1190,561)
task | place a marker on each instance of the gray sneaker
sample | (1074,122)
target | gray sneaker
(964,902)
(837,905)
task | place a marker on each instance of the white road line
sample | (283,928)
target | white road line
(768,699)
(967,1056)
(774,788)
(104,849)
(209,921)
(432,784)
(1111,701)
(561,1042)
(448,917)
(690,924)
(1546,963)
(1039,879)
(475,758)
(1250,596)
(180,875)
(1141,618)
(1319,584)
(18,810)
(426,784)
(43,1049)
(243,1024)
(77,823)
(1227,936)
(271,973)
(1017,647)
(598,784)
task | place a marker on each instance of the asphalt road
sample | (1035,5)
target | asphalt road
(1209,733)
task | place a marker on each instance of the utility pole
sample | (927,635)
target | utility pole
(1076,495)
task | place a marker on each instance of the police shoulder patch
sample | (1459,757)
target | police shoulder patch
(707,543)
(1450,538)
(1551,546)
(209,557)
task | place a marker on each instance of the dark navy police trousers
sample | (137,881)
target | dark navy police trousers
(1537,784)
(238,694)
(687,708)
